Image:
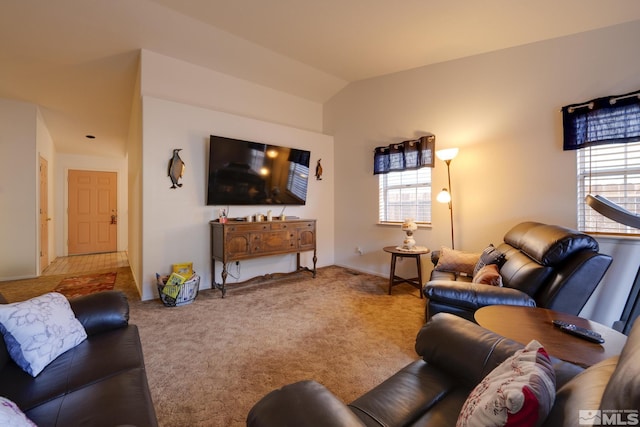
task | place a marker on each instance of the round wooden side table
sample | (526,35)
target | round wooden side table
(405,253)
(523,324)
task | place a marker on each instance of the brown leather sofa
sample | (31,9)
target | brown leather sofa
(546,266)
(456,355)
(100,382)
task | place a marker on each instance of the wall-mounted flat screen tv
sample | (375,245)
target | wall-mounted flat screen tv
(251,173)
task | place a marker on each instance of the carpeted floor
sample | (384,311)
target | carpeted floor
(208,362)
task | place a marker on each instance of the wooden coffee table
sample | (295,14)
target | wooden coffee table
(523,324)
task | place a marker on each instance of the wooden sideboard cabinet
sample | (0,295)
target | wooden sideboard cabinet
(241,240)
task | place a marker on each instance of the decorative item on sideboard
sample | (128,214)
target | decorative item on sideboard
(222,215)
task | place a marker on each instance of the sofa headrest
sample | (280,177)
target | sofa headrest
(549,244)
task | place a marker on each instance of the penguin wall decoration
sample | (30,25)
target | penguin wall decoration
(319,170)
(176,168)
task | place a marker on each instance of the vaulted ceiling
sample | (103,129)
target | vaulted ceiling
(77,59)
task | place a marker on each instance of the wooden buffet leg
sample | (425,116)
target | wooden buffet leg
(224,280)
(315,259)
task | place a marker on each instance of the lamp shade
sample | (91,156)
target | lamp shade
(447,153)
(409,225)
(444,196)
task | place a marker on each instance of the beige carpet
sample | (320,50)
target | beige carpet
(208,362)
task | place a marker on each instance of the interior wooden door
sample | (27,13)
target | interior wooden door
(44,214)
(92,212)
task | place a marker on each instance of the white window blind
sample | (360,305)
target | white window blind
(611,171)
(298,180)
(405,194)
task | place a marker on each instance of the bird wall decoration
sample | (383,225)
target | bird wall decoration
(176,168)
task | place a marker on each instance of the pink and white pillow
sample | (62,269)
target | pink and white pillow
(519,392)
(488,275)
(12,416)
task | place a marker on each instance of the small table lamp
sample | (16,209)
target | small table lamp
(409,226)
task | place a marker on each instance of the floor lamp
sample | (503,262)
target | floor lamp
(444,196)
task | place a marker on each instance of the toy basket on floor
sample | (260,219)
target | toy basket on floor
(187,294)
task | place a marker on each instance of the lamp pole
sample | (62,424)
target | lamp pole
(445,195)
(448,162)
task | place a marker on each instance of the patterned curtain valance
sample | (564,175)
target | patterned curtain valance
(412,154)
(608,120)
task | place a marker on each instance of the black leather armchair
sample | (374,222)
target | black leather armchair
(546,266)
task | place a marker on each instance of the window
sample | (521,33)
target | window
(404,180)
(606,134)
(611,171)
(405,194)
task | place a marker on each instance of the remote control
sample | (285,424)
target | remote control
(578,331)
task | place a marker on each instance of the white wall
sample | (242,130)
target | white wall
(24,139)
(169,78)
(46,150)
(134,167)
(18,190)
(502,110)
(182,104)
(175,222)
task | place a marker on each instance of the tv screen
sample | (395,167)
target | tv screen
(251,173)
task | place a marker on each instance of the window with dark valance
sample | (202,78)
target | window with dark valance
(608,120)
(406,155)
(605,134)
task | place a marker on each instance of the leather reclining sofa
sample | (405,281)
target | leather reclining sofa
(100,382)
(455,355)
(545,266)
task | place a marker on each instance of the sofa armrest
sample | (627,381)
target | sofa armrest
(305,403)
(474,295)
(462,348)
(101,311)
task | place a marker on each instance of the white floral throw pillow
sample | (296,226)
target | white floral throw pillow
(38,330)
(519,392)
(12,416)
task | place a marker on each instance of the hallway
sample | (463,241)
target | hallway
(86,263)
